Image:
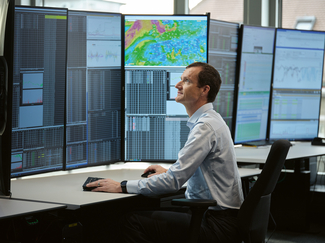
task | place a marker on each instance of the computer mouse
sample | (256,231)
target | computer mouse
(145,175)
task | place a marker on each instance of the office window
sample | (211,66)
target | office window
(230,10)
(148,7)
(303,10)
(116,6)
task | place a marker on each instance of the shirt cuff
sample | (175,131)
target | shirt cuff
(132,186)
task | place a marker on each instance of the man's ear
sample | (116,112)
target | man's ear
(206,90)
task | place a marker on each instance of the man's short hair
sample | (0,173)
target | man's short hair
(208,76)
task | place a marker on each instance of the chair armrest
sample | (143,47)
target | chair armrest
(201,203)
(179,193)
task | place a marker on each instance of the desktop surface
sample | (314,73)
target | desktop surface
(67,189)
(258,154)
(10,208)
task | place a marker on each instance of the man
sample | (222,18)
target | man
(206,162)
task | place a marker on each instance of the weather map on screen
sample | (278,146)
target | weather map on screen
(165,40)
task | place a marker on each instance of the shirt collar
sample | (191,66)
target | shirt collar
(193,119)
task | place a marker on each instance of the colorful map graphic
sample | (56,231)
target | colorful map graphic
(165,42)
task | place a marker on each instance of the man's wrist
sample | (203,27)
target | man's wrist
(123,186)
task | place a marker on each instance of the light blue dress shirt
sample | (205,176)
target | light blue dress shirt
(207,162)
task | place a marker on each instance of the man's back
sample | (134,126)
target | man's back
(217,176)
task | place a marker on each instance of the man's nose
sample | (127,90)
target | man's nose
(178,85)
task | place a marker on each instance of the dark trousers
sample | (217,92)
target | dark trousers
(171,226)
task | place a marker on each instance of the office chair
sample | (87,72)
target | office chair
(253,215)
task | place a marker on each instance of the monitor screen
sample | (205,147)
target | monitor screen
(157,50)
(39,71)
(297,82)
(255,75)
(94,81)
(223,42)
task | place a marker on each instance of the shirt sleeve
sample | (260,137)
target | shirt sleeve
(190,157)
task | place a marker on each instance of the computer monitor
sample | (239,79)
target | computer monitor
(297,83)
(223,42)
(6,55)
(157,50)
(254,85)
(94,89)
(39,74)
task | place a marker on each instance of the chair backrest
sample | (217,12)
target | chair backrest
(253,215)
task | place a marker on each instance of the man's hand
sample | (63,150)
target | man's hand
(156,168)
(105,185)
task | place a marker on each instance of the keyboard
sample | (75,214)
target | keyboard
(90,179)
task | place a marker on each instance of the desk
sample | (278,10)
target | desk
(67,189)
(20,220)
(298,150)
(10,208)
(97,212)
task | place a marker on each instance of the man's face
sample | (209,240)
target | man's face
(188,91)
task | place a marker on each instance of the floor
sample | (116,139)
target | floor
(315,235)
(316,231)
